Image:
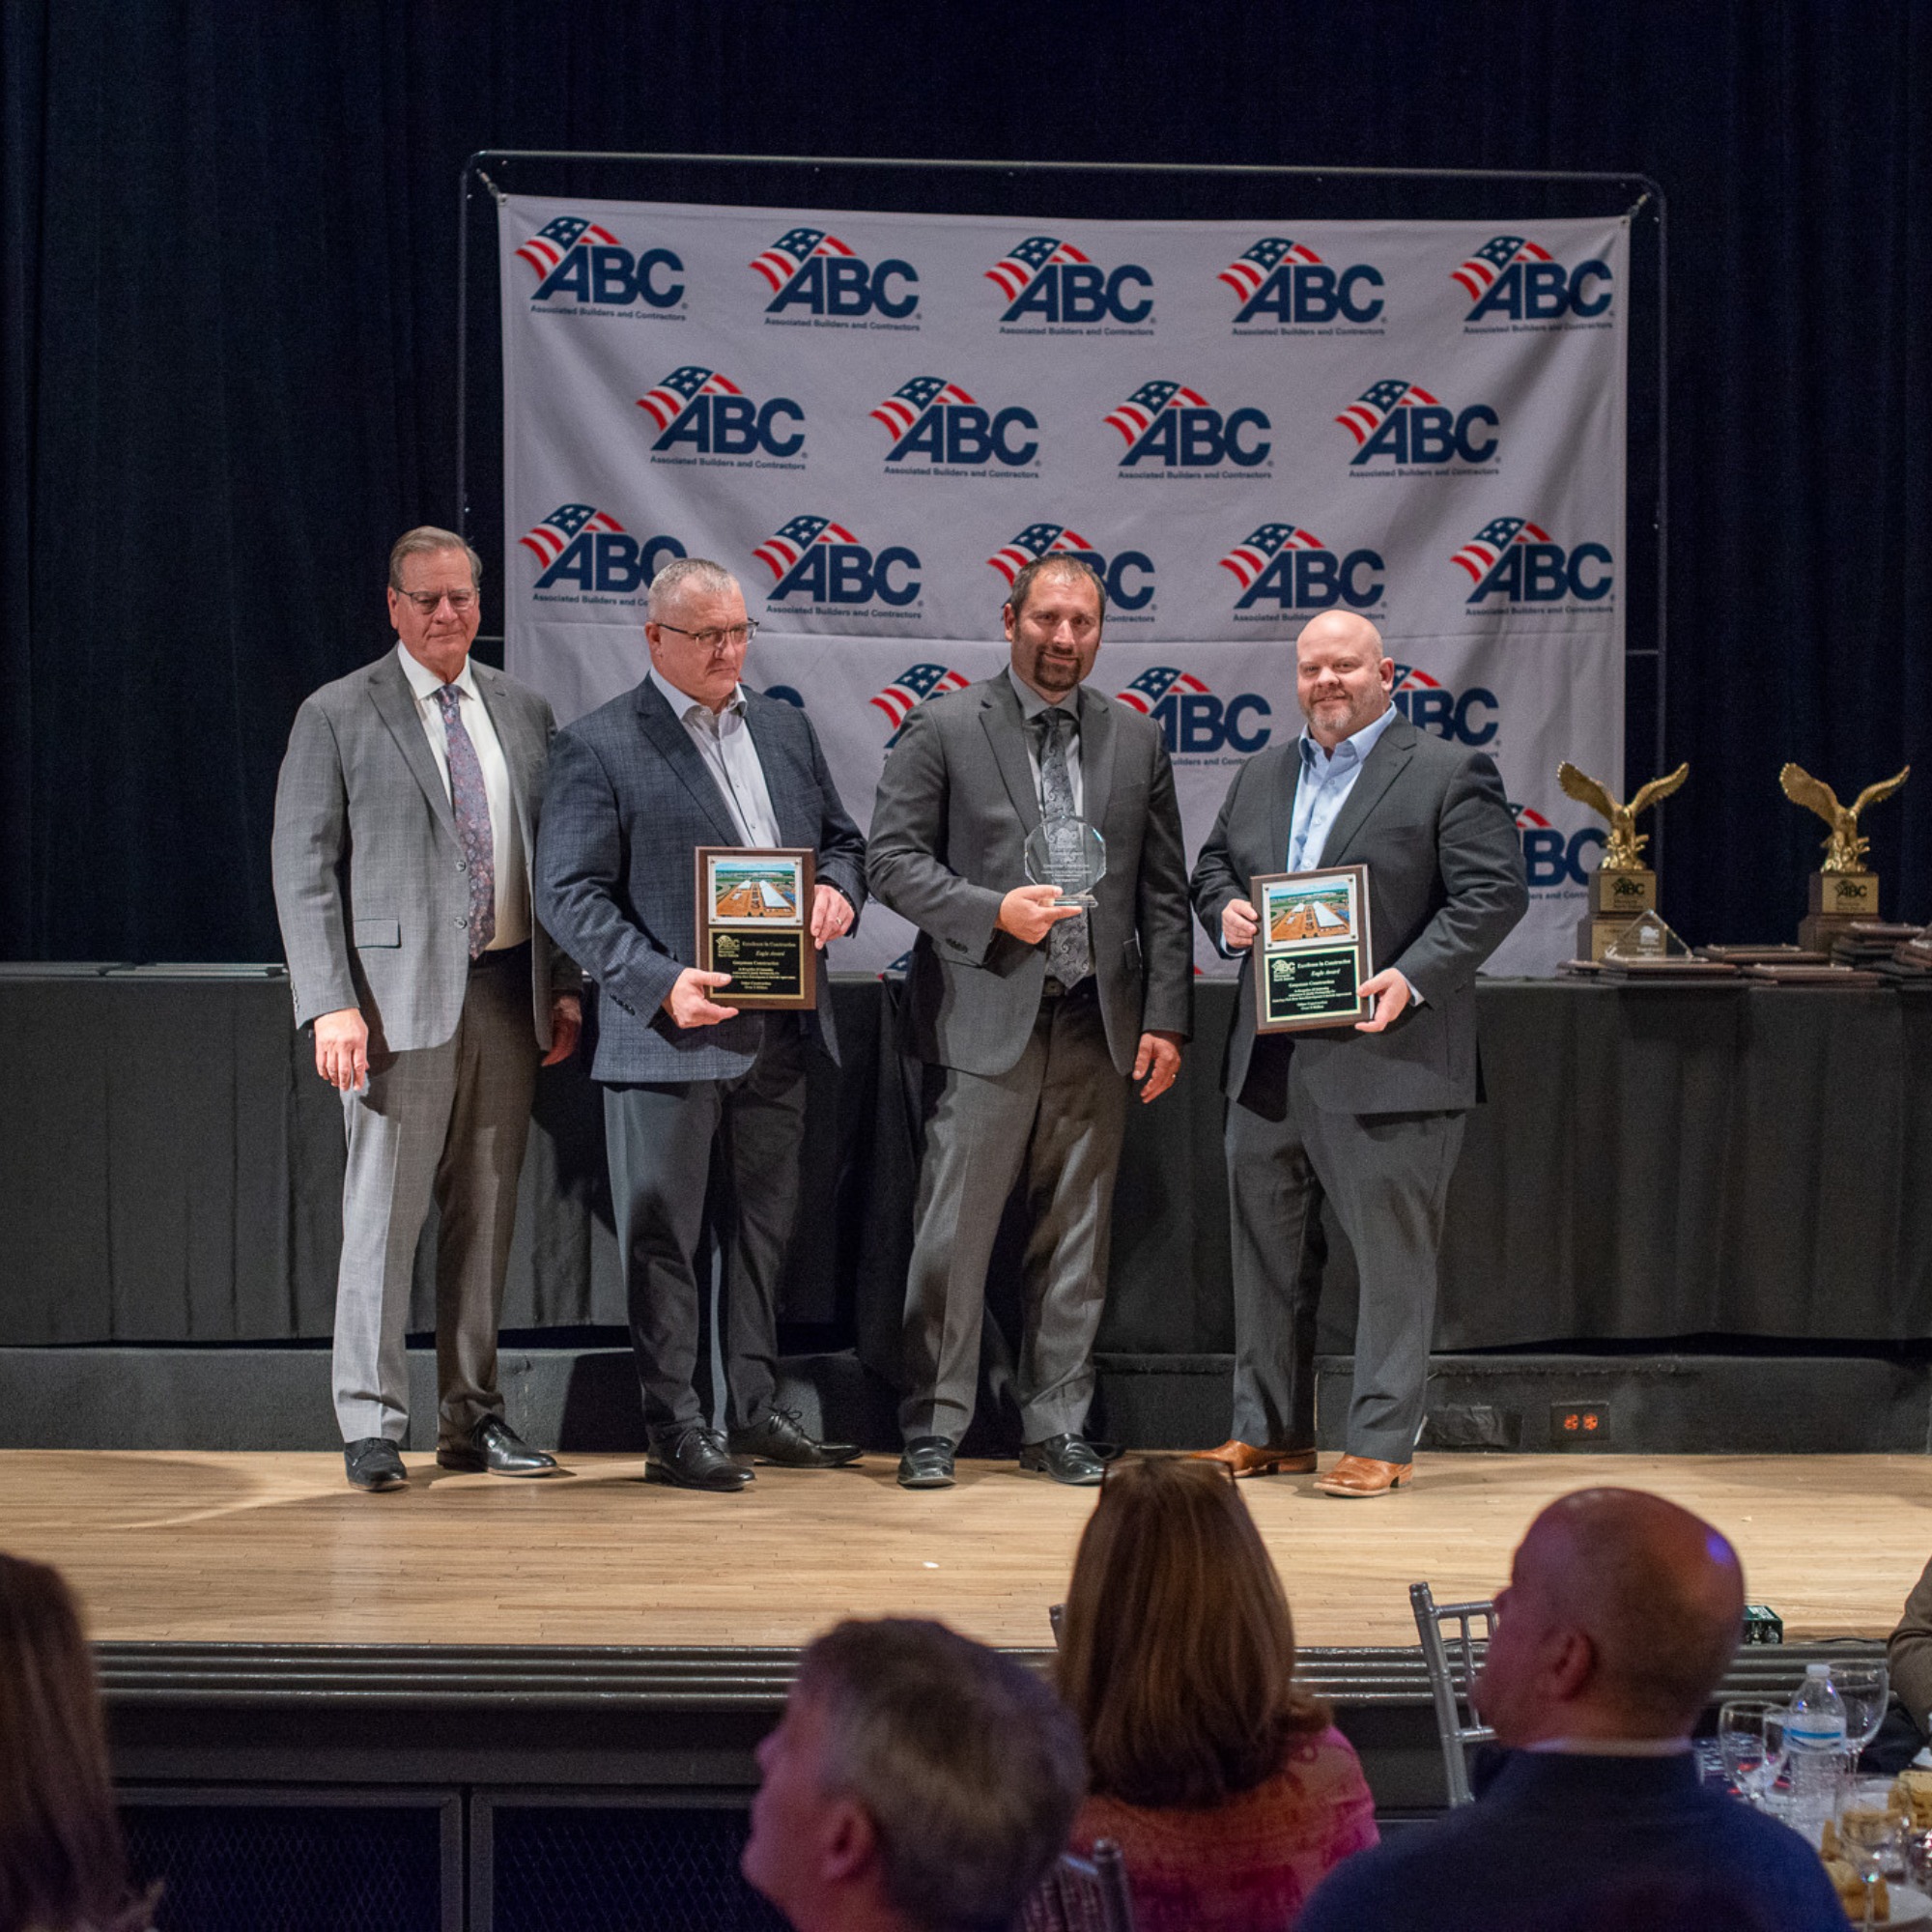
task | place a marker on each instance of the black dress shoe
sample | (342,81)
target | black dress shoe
(496,1447)
(1067,1459)
(696,1461)
(776,1437)
(926,1463)
(374,1462)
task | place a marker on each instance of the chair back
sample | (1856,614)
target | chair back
(1079,1895)
(1452,1650)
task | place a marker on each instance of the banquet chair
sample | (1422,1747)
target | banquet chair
(1451,1660)
(1082,1895)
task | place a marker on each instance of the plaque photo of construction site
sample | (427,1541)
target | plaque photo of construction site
(1313,911)
(761,890)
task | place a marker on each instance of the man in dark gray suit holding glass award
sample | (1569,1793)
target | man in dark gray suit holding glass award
(1367,1114)
(1037,994)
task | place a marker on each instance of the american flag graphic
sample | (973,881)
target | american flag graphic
(1261,260)
(1034,541)
(1133,418)
(674,394)
(1480,272)
(1371,407)
(1527,817)
(1481,553)
(549,245)
(1151,685)
(1250,557)
(913,686)
(552,537)
(1408,678)
(779,553)
(908,403)
(790,253)
(1014,270)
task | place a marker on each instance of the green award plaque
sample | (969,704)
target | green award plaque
(1312,949)
(755,922)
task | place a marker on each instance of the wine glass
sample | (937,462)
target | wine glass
(1751,1735)
(1868,1835)
(1865,1688)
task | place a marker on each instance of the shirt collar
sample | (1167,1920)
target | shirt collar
(1033,705)
(1356,748)
(425,683)
(683,704)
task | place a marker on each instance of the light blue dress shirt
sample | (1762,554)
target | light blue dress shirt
(1328,777)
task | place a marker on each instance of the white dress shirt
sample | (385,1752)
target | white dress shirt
(1033,707)
(1328,777)
(513,884)
(724,741)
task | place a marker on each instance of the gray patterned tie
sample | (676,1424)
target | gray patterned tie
(1069,953)
(472,820)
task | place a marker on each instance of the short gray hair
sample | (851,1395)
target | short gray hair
(699,573)
(969,1766)
(426,540)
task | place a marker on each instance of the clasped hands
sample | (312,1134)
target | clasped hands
(689,1001)
(1388,990)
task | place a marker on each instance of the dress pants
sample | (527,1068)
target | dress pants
(1057,1117)
(1387,1176)
(669,1143)
(445,1123)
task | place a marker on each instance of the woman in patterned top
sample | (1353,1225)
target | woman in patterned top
(1227,1788)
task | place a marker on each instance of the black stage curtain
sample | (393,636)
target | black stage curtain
(227,293)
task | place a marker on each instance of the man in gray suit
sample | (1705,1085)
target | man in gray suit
(696,1091)
(1369,1117)
(404,826)
(1032,1020)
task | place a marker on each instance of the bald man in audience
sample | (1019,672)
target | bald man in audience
(1620,1619)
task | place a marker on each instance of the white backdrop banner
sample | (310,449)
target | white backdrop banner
(873,420)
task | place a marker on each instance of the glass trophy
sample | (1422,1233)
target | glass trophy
(1069,854)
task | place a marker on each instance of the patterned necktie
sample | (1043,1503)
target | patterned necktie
(472,821)
(1069,953)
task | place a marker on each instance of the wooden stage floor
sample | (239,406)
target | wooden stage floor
(275,1549)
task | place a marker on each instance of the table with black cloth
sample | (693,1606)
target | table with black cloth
(1651,1163)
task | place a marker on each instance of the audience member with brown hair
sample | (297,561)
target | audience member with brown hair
(62,1864)
(1222,1781)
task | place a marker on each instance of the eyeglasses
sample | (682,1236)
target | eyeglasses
(429,602)
(734,635)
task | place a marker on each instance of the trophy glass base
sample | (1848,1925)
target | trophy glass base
(1595,936)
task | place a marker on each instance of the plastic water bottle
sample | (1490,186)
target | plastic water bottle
(1814,1735)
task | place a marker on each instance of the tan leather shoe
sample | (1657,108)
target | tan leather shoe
(1245,1460)
(1364,1476)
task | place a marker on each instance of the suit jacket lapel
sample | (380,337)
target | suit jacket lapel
(1392,751)
(1281,811)
(787,811)
(396,705)
(513,738)
(1097,756)
(1006,729)
(668,735)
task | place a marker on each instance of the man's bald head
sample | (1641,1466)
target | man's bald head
(1341,680)
(1622,1614)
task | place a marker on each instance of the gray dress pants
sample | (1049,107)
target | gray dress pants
(1387,1177)
(445,1123)
(1057,1118)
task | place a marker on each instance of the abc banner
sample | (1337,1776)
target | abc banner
(874,420)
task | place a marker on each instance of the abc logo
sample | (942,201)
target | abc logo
(1312,292)
(963,433)
(1544,573)
(1083,292)
(1430,433)
(1198,438)
(736,426)
(1124,592)
(844,285)
(1548,859)
(1545,292)
(1316,580)
(609,560)
(607,274)
(842,573)
(1464,718)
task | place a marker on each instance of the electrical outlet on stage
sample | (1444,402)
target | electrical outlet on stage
(1579,1424)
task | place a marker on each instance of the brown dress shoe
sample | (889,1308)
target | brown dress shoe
(1364,1476)
(1245,1460)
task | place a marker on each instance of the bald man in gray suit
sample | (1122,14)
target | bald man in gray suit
(405,824)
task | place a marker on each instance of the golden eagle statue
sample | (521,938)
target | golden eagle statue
(1844,848)
(1626,842)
